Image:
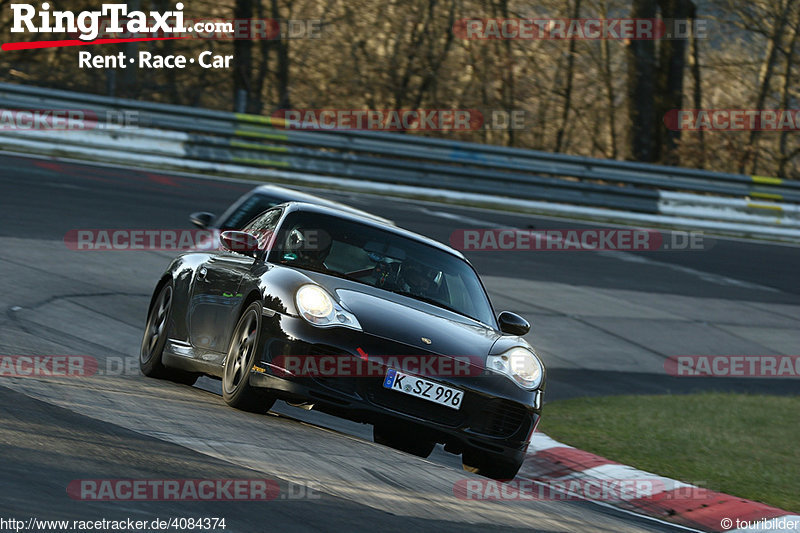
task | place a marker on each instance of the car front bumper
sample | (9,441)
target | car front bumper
(495,414)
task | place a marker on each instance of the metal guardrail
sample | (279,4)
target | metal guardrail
(230,139)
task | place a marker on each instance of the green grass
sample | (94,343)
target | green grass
(744,445)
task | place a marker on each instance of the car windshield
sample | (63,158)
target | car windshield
(382,259)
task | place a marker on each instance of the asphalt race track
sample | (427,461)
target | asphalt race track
(604,322)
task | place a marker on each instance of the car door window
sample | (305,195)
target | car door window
(263,227)
(246,209)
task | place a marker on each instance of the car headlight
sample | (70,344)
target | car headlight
(519,364)
(319,309)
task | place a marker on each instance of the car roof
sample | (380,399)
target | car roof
(371,221)
(293,195)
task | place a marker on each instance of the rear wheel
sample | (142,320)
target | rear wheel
(403,438)
(236,389)
(493,465)
(155,338)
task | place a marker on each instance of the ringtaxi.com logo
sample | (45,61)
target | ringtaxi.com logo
(26,19)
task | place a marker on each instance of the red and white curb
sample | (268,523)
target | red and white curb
(553,463)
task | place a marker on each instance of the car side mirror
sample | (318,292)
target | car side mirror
(240,242)
(202,219)
(513,324)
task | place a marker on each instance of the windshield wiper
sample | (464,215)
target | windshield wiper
(323,270)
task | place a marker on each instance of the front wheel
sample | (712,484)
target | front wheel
(493,465)
(236,389)
(155,338)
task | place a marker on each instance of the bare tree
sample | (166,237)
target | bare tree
(779,18)
(641,88)
(573,43)
(243,61)
(789,74)
(697,85)
(669,83)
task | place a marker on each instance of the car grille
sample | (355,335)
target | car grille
(415,407)
(501,418)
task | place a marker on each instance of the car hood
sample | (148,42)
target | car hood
(408,323)
(404,320)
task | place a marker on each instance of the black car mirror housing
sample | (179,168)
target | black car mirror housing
(202,219)
(240,242)
(513,324)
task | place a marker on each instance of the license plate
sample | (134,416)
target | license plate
(423,388)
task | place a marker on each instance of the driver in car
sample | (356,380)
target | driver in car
(308,247)
(417,279)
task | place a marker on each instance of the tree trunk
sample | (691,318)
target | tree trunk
(765,79)
(641,88)
(669,87)
(509,98)
(785,157)
(282,76)
(576,12)
(697,90)
(608,80)
(242,58)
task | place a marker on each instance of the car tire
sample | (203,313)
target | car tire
(155,338)
(401,438)
(492,465)
(236,389)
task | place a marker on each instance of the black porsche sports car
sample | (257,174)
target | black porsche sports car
(364,320)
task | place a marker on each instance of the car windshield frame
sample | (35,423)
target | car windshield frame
(476,293)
